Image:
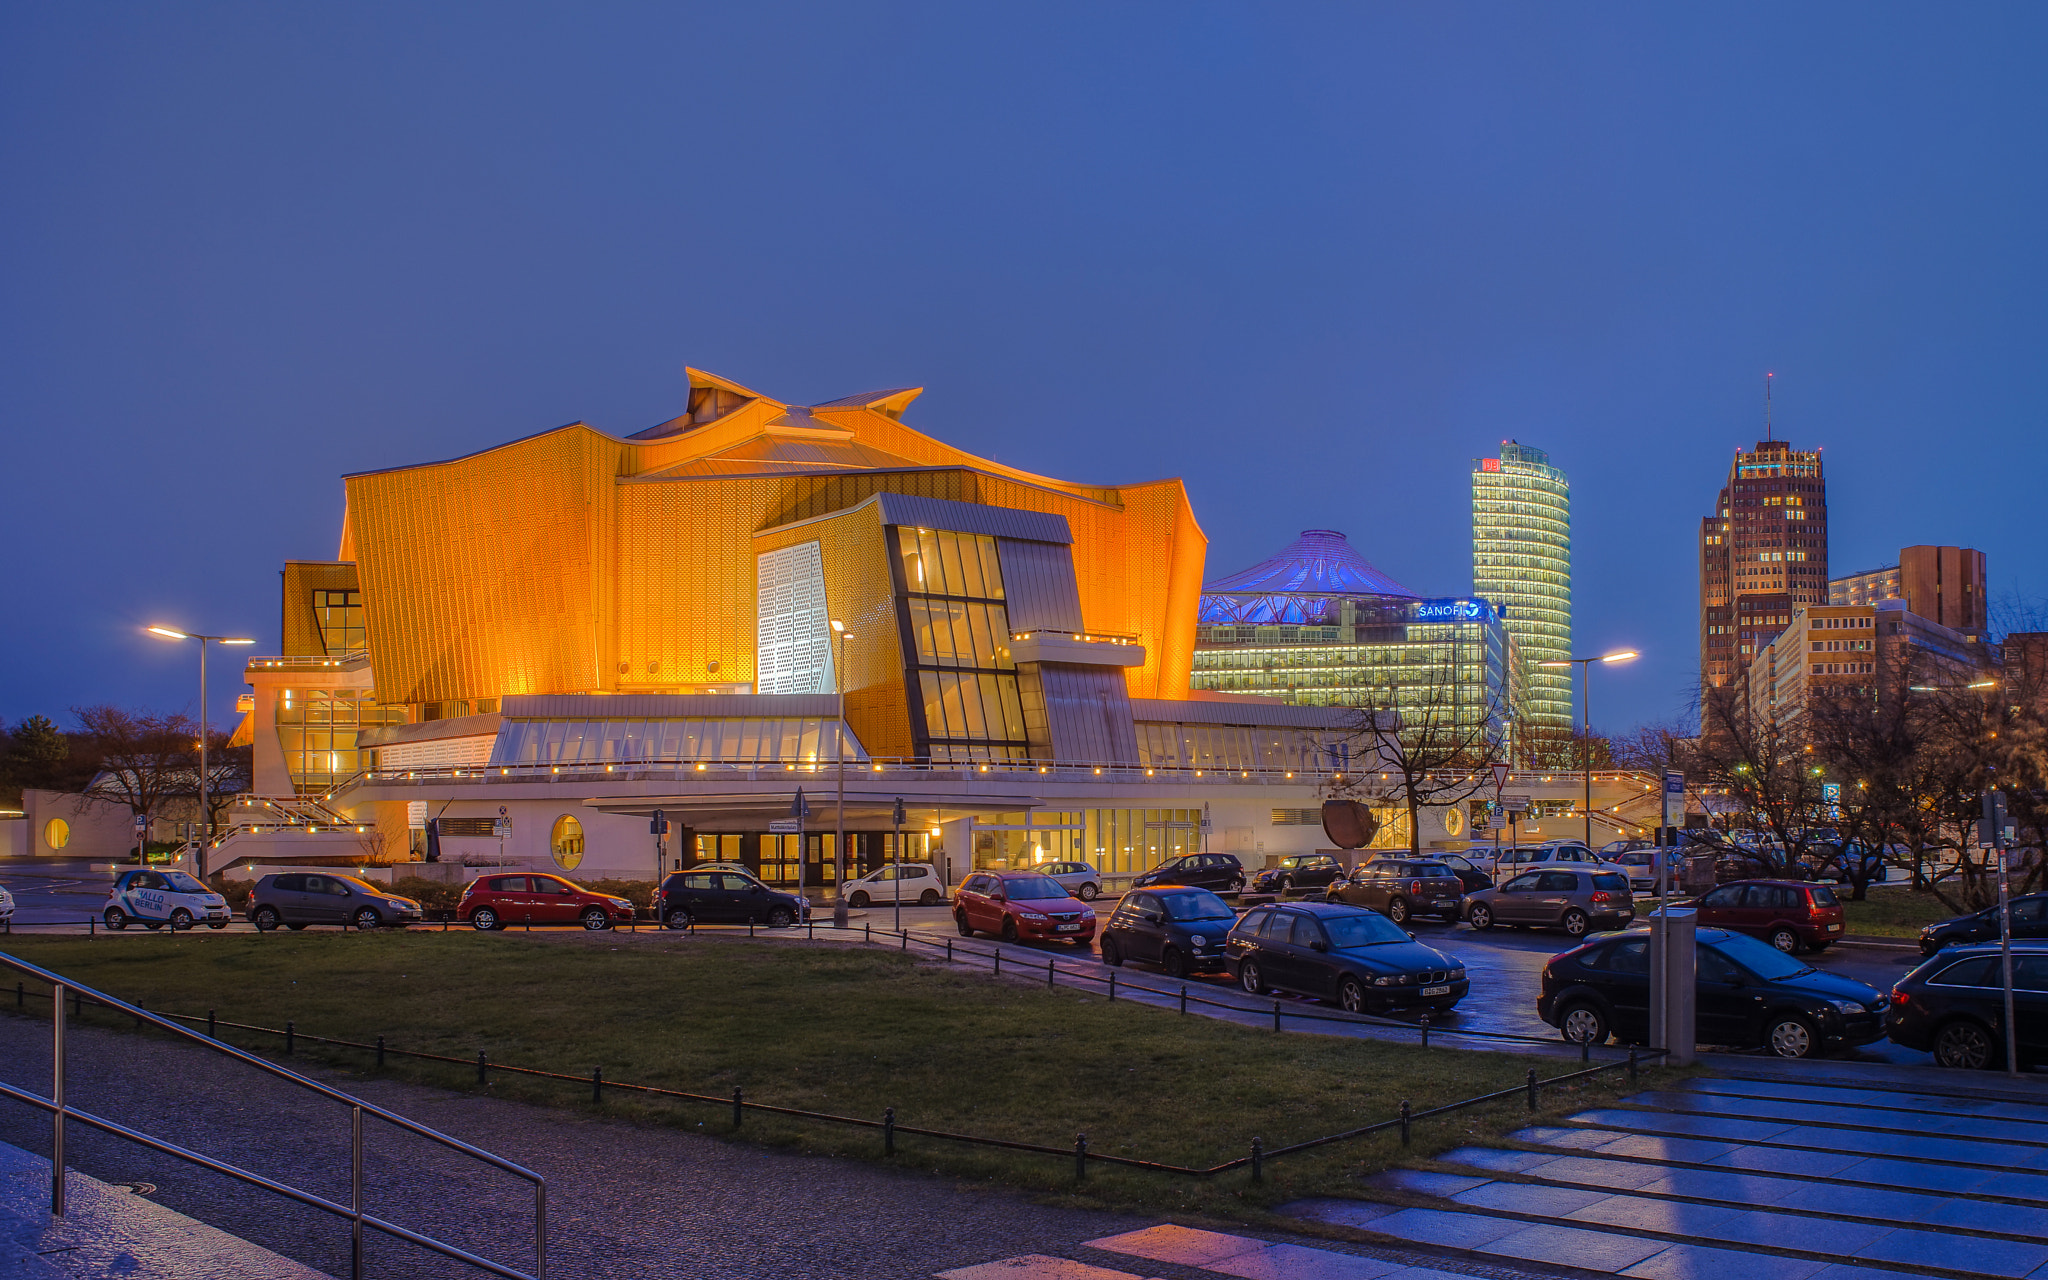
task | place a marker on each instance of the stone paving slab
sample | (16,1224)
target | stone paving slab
(1576,1247)
(1932,1249)
(1670,1217)
(1035,1266)
(1694,1102)
(1937,1104)
(1530,1198)
(1187,1246)
(1951,1150)
(1441,1227)
(1704,1262)
(1296,1262)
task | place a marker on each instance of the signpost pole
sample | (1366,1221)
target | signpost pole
(1991,835)
(898,856)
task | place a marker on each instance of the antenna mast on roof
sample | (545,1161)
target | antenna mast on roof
(1767,406)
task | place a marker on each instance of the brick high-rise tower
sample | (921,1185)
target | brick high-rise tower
(1763,553)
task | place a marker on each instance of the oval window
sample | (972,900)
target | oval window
(56,833)
(566,842)
(1454,821)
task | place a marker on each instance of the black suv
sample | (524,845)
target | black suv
(1181,930)
(1953,1006)
(1216,872)
(1299,871)
(1403,888)
(2029,920)
(727,897)
(1748,994)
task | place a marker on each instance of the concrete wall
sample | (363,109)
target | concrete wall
(97,829)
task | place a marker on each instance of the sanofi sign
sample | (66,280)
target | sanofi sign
(1450,610)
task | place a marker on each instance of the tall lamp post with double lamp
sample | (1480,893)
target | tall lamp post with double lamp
(1586,709)
(205,821)
(841,635)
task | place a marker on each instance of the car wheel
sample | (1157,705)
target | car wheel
(1397,910)
(960,920)
(1090,892)
(116,918)
(1480,917)
(1351,995)
(1786,941)
(180,919)
(780,917)
(367,919)
(1966,1044)
(595,919)
(1009,929)
(483,920)
(1175,962)
(929,898)
(677,919)
(1248,978)
(1112,954)
(857,901)
(1791,1036)
(1583,1024)
(1575,923)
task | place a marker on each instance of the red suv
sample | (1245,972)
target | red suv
(1790,915)
(493,902)
(1021,904)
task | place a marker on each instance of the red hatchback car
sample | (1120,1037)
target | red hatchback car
(1021,904)
(1788,914)
(492,902)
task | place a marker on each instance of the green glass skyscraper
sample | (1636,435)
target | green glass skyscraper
(1522,562)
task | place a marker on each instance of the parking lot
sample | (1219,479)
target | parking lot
(1504,964)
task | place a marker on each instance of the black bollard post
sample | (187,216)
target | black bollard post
(1112,986)
(290,1030)
(1586,1049)
(888,1131)
(999,962)
(1258,1160)
(1080,1156)
(737,1103)
(1532,1088)
(949,951)
(482,1064)
(1183,997)
(1048,975)
(529,922)
(867,932)
(1276,1017)
(906,938)
(596,1085)
(1406,1116)
(1425,1031)
(1631,1064)
(380,1053)
(92,929)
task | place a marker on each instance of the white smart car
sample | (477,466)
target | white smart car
(6,905)
(154,899)
(918,884)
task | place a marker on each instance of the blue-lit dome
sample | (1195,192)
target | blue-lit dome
(1304,583)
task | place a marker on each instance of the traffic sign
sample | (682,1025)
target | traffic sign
(785,826)
(1515,802)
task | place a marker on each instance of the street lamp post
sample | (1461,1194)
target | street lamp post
(1586,708)
(206,823)
(842,635)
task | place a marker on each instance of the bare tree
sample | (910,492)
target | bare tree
(1433,750)
(1768,769)
(145,758)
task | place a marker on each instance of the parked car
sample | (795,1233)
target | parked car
(6,906)
(1216,872)
(1791,916)
(725,897)
(1953,1006)
(1180,930)
(493,902)
(1748,994)
(1640,865)
(1399,889)
(154,899)
(1469,873)
(1299,871)
(912,882)
(1731,867)
(1844,862)
(295,900)
(1574,899)
(1016,905)
(1359,959)
(1613,849)
(1080,878)
(2029,920)
(1522,858)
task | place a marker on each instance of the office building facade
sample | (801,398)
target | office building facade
(1522,566)
(1763,555)
(1945,585)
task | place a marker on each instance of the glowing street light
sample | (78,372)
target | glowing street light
(1585,704)
(172,633)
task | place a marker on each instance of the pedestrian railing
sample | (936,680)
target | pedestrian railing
(289,1037)
(62,991)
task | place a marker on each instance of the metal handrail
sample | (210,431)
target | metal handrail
(358,1218)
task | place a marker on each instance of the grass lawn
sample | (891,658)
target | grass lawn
(1891,913)
(841,1030)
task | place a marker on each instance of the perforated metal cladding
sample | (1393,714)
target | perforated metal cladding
(298,627)
(1088,713)
(792,645)
(858,592)
(491,575)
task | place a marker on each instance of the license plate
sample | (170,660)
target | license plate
(1067,928)
(1436,991)
(1834,928)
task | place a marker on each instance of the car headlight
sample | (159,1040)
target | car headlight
(1846,1006)
(1031,915)
(1392,980)
(1457,974)
(1199,940)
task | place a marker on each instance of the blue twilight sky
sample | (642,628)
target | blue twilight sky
(1315,258)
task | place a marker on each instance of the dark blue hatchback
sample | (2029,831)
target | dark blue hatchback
(1356,958)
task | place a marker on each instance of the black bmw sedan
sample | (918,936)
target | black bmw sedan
(1356,958)
(2029,920)
(1748,994)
